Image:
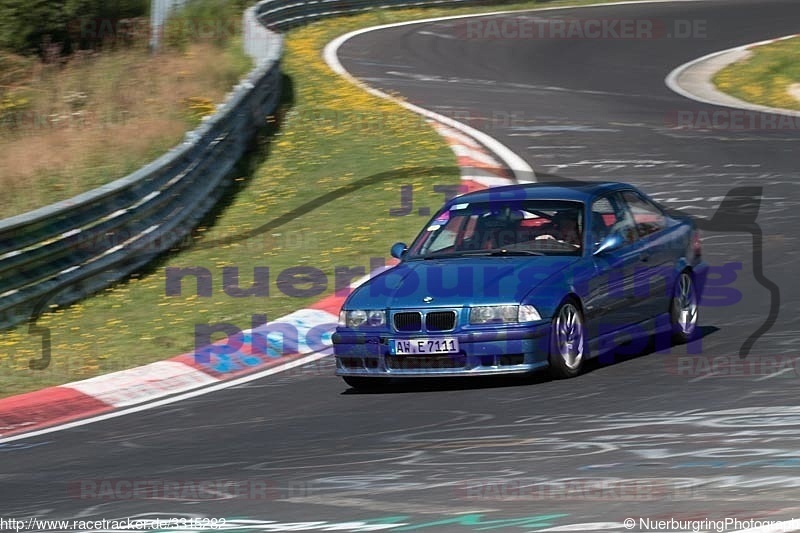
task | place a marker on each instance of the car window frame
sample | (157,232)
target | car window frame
(580,205)
(619,207)
(647,201)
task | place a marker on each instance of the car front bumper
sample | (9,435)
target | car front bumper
(511,350)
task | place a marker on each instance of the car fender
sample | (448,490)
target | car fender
(570,281)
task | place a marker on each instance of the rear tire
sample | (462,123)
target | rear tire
(683,309)
(567,341)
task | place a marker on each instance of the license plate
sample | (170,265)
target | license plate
(423,346)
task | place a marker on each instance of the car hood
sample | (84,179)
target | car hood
(458,281)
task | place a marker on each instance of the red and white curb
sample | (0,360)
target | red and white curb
(484,162)
(479,168)
(30,414)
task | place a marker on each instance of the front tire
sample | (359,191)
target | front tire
(567,341)
(683,309)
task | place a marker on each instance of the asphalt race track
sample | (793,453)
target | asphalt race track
(659,435)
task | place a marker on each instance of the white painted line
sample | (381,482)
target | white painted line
(775,374)
(521,169)
(518,165)
(452,135)
(515,163)
(166,401)
(302,319)
(439,35)
(723,99)
(705,376)
(588,526)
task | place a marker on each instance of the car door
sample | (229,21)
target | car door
(610,302)
(654,273)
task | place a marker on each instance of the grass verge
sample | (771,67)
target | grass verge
(766,76)
(323,185)
(70,125)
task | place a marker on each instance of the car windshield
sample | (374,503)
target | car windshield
(530,227)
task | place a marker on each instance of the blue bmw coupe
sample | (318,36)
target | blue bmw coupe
(525,277)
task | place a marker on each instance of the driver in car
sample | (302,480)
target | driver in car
(564,228)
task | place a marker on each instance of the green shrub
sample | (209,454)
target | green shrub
(27,26)
(215,21)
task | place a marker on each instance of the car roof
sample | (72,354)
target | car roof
(581,191)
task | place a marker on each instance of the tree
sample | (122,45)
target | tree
(27,26)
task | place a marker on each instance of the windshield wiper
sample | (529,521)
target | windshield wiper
(500,252)
(514,252)
(485,253)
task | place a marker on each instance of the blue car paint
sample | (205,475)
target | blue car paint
(456,283)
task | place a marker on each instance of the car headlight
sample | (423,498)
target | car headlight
(503,314)
(371,318)
(486,314)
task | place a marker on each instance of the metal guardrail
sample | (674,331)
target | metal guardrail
(65,251)
(285,14)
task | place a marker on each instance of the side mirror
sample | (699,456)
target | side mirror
(609,244)
(398,250)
